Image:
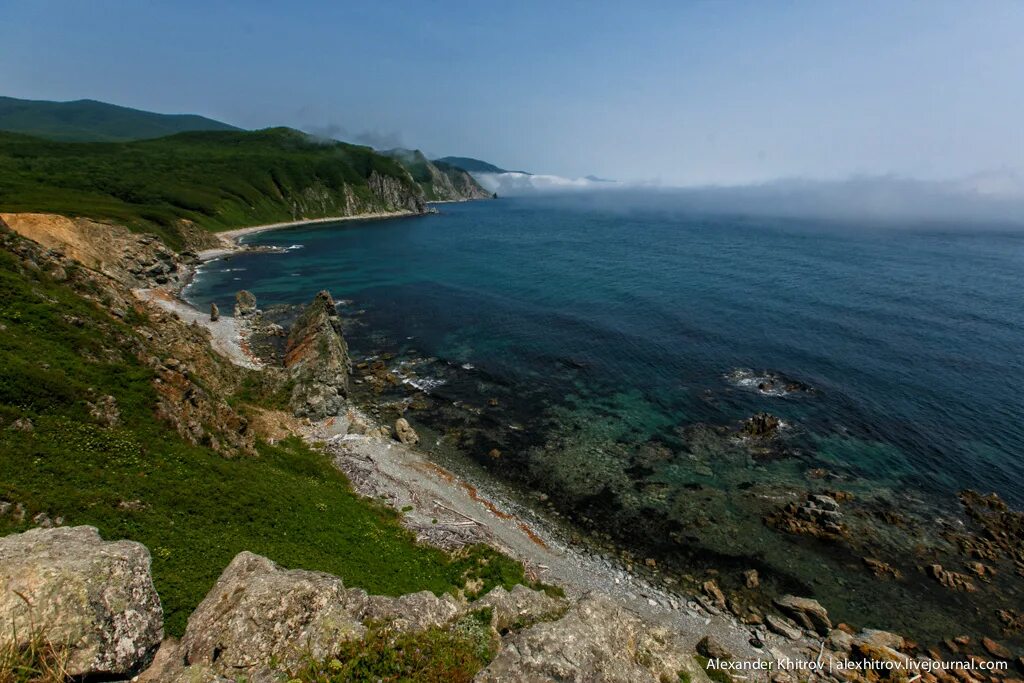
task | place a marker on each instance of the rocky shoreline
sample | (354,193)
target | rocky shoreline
(615,624)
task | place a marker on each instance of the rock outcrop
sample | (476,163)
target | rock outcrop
(405,433)
(457,183)
(807,612)
(245,303)
(597,640)
(260,620)
(93,597)
(815,515)
(317,360)
(395,194)
(259,617)
(132,259)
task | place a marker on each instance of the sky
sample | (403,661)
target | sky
(674,93)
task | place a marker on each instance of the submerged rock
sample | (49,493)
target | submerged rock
(762,426)
(316,357)
(93,597)
(816,515)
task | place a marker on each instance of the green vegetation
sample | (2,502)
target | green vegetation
(439,655)
(193,509)
(38,661)
(218,180)
(92,121)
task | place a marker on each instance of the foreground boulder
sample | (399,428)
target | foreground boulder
(94,597)
(316,357)
(260,617)
(597,640)
(520,607)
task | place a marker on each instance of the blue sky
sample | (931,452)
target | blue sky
(674,93)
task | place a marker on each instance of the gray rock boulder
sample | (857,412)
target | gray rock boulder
(596,641)
(783,626)
(520,607)
(875,638)
(411,612)
(405,433)
(94,597)
(806,612)
(260,618)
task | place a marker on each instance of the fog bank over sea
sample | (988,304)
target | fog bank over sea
(995,197)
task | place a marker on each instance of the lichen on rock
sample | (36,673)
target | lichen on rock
(92,598)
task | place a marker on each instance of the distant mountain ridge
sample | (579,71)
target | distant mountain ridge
(441,181)
(474,165)
(93,121)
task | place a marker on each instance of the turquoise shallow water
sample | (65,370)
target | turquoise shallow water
(606,351)
(912,338)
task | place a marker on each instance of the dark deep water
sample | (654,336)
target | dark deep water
(585,343)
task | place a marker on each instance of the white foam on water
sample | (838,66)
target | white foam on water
(424,384)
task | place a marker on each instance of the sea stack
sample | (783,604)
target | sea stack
(316,356)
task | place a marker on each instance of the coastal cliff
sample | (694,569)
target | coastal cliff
(440,181)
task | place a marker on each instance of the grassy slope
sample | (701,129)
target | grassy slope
(92,121)
(219,180)
(196,509)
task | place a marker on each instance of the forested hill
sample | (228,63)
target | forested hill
(215,179)
(92,121)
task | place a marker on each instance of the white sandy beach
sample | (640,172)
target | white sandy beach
(231,238)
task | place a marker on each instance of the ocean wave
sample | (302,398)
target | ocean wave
(767,383)
(424,384)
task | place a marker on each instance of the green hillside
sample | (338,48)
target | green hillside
(137,478)
(92,121)
(218,180)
